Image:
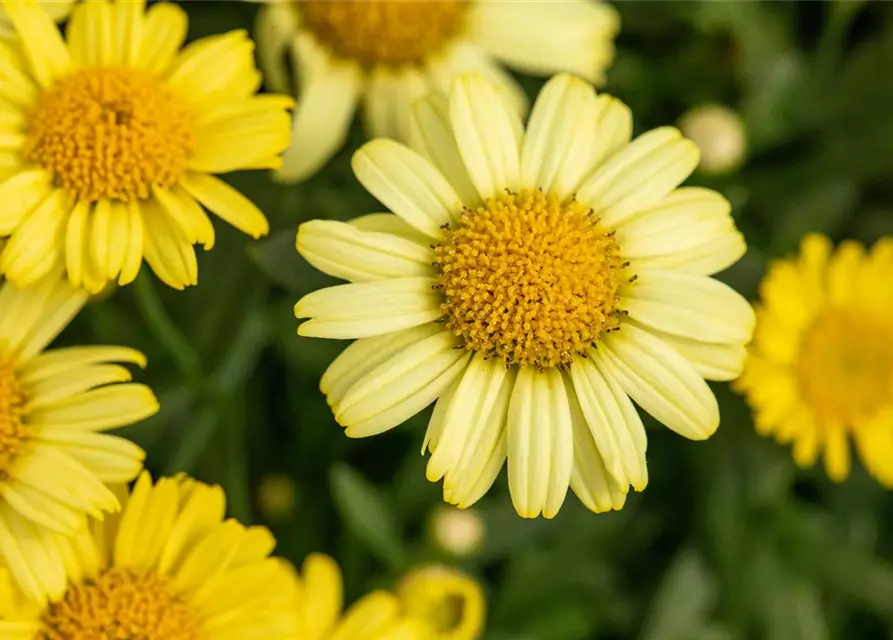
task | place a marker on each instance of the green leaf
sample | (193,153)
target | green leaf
(684,600)
(367,515)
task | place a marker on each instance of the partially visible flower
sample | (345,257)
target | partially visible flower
(383,55)
(111,137)
(449,604)
(820,368)
(58,10)
(170,568)
(319,600)
(720,135)
(534,283)
(459,532)
(54,405)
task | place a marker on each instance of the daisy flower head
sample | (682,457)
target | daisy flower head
(110,138)
(55,460)
(319,596)
(532,283)
(58,10)
(820,369)
(444,602)
(385,54)
(170,568)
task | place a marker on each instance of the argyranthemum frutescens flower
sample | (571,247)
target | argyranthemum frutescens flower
(58,10)
(820,368)
(386,54)
(432,603)
(108,142)
(533,282)
(54,404)
(170,568)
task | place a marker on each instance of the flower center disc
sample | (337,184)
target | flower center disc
(846,366)
(384,32)
(110,133)
(529,280)
(12,431)
(120,604)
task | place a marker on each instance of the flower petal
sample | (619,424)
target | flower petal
(40,40)
(661,381)
(226,203)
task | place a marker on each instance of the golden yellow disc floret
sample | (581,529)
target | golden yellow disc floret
(529,280)
(110,133)
(121,604)
(12,431)
(383,32)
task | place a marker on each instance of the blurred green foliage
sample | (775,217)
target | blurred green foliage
(730,540)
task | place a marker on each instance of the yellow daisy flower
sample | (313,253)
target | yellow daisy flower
(820,368)
(386,54)
(533,282)
(58,10)
(54,406)
(318,592)
(447,604)
(170,568)
(108,141)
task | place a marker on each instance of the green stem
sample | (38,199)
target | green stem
(168,334)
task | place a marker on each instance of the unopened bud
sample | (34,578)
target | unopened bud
(276,497)
(719,133)
(459,532)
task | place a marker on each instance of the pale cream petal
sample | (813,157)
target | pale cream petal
(321,120)
(561,135)
(542,38)
(37,244)
(408,185)
(661,381)
(368,309)
(472,434)
(20,195)
(712,360)
(164,31)
(640,175)
(590,480)
(463,57)
(540,443)
(614,128)
(274,29)
(343,251)
(363,355)
(401,386)
(389,223)
(688,305)
(488,140)
(226,203)
(711,256)
(41,42)
(613,422)
(431,134)
(464,496)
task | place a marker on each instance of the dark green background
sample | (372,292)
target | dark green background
(730,540)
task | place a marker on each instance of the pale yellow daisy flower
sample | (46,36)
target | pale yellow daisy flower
(820,368)
(54,406)
(109,139)
(383,55)
(531,282)
(447,604)
(170,568)
(319,599)
(58,10)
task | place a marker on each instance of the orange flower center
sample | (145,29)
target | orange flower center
(121,604)
(110,133)
(383,32)
(12,431)
(529,280)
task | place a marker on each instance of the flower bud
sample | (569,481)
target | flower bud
(459,532)
(720,134)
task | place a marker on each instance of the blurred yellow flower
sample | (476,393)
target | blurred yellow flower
(459,532)
(58,10)
(110,140)
(531,283)
(54,460)
(318,594)
(170,568)
(448,604)
(719,133)
(820,368)
(386,54)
